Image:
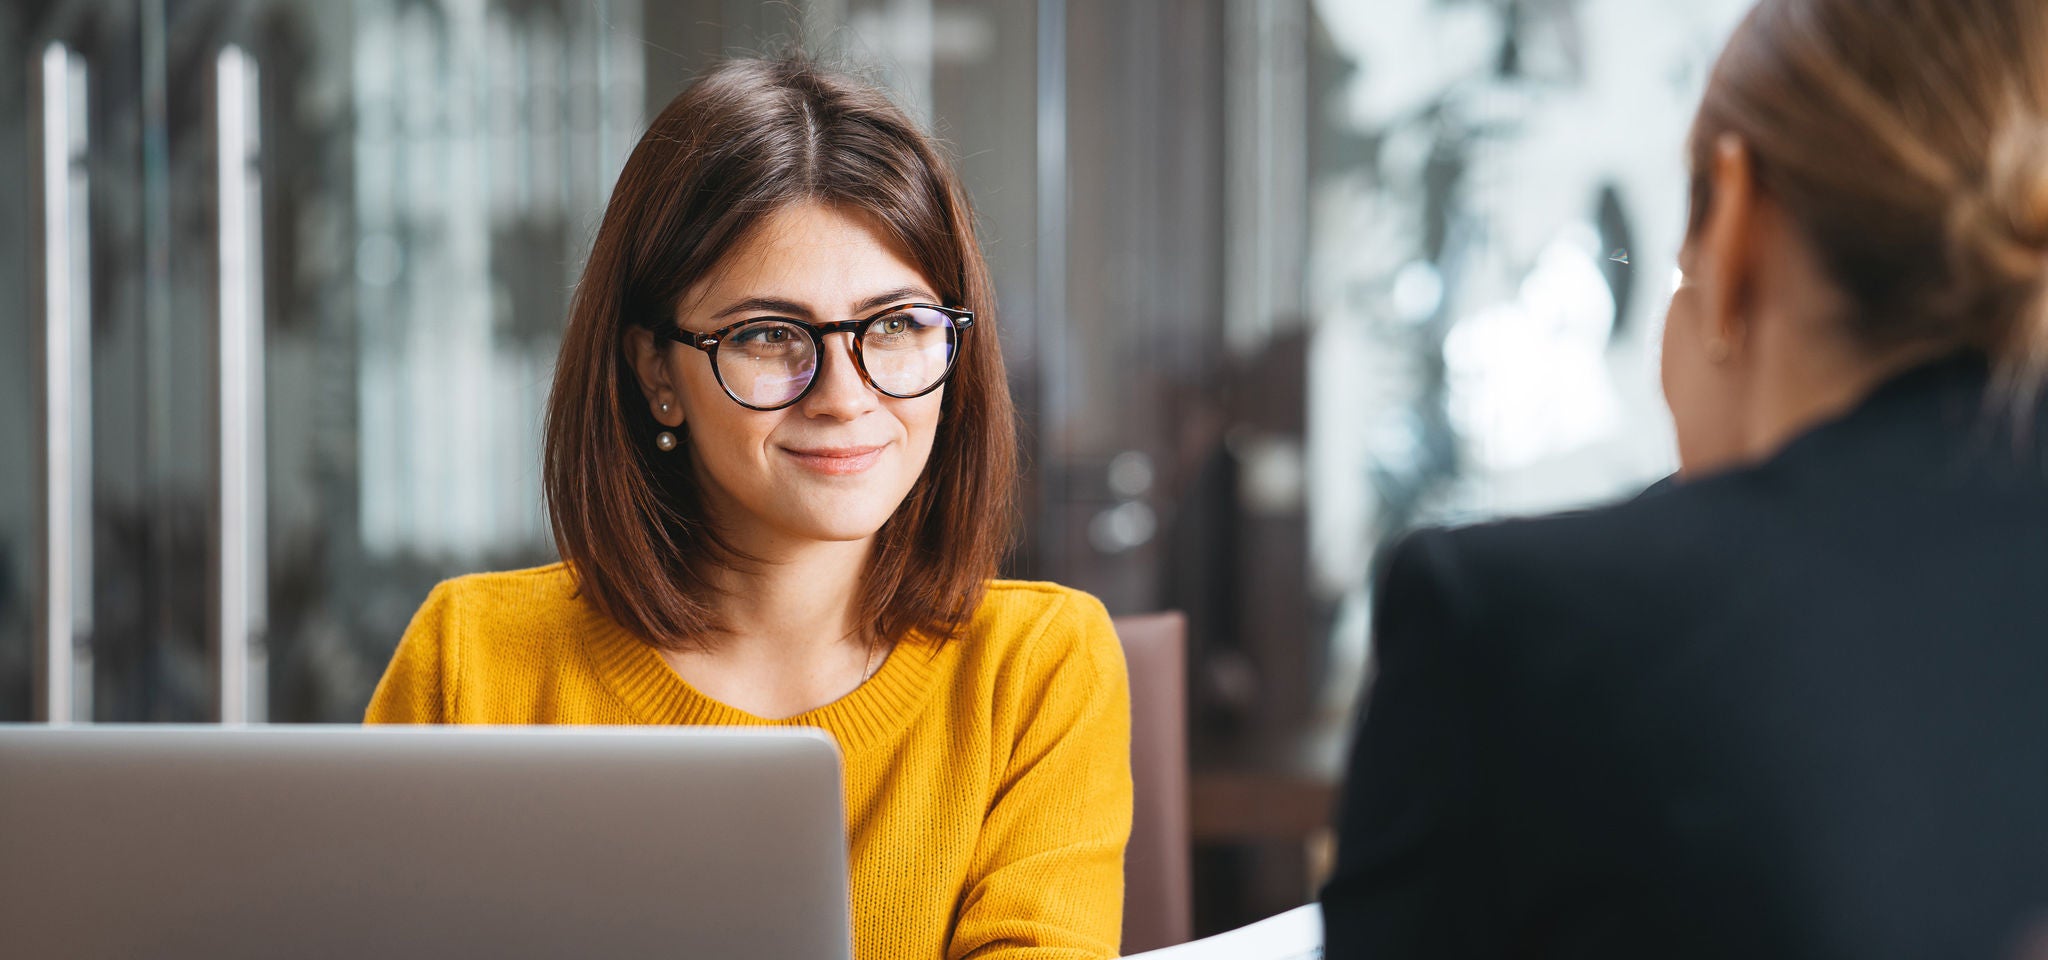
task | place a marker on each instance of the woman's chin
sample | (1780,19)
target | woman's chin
(842,526)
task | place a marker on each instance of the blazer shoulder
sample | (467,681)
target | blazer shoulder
(1623,570)
(1672,524)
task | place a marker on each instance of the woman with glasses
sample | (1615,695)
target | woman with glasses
(781,471)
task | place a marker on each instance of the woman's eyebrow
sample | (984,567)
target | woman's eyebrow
(898,295)
(767,304)
(791,308)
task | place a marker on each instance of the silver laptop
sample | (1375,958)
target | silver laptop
(179,842)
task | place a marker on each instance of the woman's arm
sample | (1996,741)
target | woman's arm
(412,690)
(1047,877)
(1417,867)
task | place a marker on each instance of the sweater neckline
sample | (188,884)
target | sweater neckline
(638,675)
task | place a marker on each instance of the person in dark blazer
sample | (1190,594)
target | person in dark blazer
(1794,703)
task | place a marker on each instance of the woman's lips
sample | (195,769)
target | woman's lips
(837,461)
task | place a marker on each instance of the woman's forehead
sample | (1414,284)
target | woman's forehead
(826,258)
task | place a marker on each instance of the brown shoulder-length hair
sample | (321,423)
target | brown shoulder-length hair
(747,138)
(1908,139)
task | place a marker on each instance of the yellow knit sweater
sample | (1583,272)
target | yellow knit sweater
(988,784)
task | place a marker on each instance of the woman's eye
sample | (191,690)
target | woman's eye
(895,325)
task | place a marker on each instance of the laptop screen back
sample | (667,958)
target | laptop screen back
(413,842)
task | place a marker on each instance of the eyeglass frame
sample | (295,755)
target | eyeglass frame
(963,320)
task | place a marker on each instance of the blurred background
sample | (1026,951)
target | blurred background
(282,281)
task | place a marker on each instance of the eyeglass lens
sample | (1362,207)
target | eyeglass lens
(768,363)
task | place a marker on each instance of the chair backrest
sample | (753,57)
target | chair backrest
(1158,879)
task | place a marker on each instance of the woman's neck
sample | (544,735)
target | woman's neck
(1816,380)
(792,640)
(791,599)
(795,602)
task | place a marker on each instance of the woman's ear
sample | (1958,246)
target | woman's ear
(650,367)
(1727,271)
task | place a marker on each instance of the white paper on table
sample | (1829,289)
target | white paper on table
(1294,935)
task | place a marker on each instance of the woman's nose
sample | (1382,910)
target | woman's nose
(841,392)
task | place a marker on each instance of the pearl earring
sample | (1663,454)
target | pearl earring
(665,441)
(1718,350)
